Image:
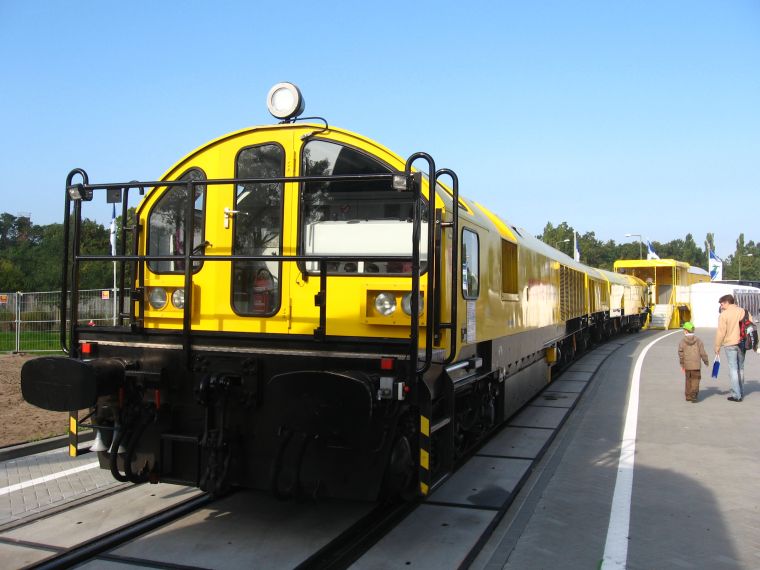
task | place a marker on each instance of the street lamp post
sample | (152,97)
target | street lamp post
(558,244)
(740,264)
(638,236)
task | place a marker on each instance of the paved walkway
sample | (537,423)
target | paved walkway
(695,496)
(38,483)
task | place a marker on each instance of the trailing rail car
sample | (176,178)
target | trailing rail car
(310,314)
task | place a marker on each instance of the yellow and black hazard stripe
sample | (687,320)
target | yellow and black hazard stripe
(424,454)
(73,434)
(426,478)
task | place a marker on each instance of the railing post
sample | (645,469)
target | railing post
(113,292)
(19,297)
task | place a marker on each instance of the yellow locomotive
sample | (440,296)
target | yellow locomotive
(310,314)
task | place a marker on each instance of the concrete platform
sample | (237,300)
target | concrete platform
(694,477)
(686,495)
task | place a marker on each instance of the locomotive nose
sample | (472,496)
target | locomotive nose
(62,384)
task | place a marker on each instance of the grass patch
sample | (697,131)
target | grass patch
(30,341)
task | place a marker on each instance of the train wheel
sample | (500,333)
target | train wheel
(401,471)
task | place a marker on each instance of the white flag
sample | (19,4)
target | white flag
(715,267)
(113,230)
(650,252)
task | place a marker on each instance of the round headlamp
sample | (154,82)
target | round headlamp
(285,101)
(385,303)
(157,297)
(406,304)
(178,298)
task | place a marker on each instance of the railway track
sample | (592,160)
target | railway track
(98,545)
(175,527)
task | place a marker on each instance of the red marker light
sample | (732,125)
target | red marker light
(407,389)
(86,348)
(387,363)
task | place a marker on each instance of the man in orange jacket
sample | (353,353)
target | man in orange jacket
(728,337)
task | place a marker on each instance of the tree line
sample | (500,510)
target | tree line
(31,255)
(743,263)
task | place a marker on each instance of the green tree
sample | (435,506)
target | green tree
(743,263)
(31,255)
(11,277)
(556,237)
(709,243)
(95,240)
(693,255)
(683,250)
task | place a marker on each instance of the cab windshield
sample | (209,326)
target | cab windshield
(358,217)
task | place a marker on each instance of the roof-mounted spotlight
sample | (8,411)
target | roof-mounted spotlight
(285,101)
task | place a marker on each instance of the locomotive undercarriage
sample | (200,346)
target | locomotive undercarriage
(278,424)
(281,424)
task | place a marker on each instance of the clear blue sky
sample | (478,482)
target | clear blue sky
(616,117)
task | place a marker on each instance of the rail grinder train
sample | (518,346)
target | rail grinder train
(306,312)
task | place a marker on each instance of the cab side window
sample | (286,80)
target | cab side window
(166,223)
(508,267)
(470,265)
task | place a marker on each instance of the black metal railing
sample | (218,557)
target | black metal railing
(412,184)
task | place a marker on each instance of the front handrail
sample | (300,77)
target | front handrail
(431,266)
(223,181)
(64,273)
(190,257)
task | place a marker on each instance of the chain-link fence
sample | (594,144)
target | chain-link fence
(32,321)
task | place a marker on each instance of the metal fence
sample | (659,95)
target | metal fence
(31,322)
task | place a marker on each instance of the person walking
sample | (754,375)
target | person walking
(691,354)
(728,336)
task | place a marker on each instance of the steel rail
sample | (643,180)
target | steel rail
(92,548)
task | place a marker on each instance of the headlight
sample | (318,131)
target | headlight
(178,298)
(385,303)
(157,297)
(285,101)
(406,304)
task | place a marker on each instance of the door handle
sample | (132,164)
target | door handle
(229,213)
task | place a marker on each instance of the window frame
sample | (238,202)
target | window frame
(277,306)
(155,205)
(301,233)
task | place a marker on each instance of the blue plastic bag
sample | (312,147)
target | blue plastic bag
(716,367)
